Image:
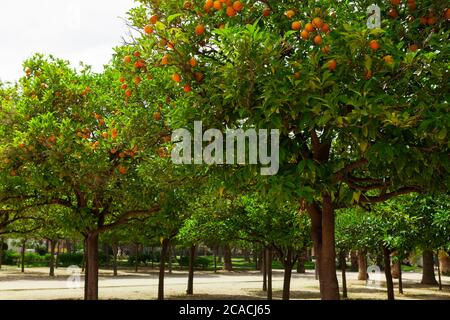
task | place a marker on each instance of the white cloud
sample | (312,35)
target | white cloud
(76,30)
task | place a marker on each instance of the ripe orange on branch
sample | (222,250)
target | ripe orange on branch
(332,64)
(154,19)
(374,45)
(176,77)
(296,25)
(200,29)
(238,6)
(128,93)
(148,29)
(231,12)
(127,59)
(309,27)
(317,22)
(290,13)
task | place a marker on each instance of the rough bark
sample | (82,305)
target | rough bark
(302,257)
(269,272)
(1,252)
(190,287)
(23,256)
(344,276)
(264,269)
(92,266)
(362,265)
(388,274)
(327,268)
(428,276)
(288,264)
(162,267)
(115,250)
(227,264)
(52,258)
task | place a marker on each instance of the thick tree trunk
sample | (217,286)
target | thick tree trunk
(136,257)
(354,260)
(227,264)
(215,259)
(439,272)
(316,235)
(115,250)
(288,264)
(387,272)
(400,279)
(23,256)
(1,252)
(302,257)
(190,287)
(327,268)
(344,276)
(52,258)
(362,265)
(92,266)
(428,276)
(162,267)
(85,268)
(444,262)
(264,269)
(269,272)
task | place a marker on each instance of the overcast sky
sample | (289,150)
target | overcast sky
(75,30)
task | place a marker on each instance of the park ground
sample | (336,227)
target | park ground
(35,284)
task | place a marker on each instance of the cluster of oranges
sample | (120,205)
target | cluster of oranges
(231,7)
(316,25)
(393,12)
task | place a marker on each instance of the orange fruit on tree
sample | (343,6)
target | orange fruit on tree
(325,28)
(124,86)
(128,93)
(238,6)
(122,170)
(393,13)
(157,116)
(165,60)
(332,64)
(114,133)
(137,80)
(193,62)
(290,13)
(127,59)
(266,12)
(317,22)
(187,5)
(176,77)
(412,6)
(297,75)
(137,54)
(217,5)
(318,39)
(139,64)
(121,79)
(208,5)
(231,12)
(374,45)
(187,88)
(199,76)
(326,49)
(431,20)
(447,14)
(413,48)
(388,59)
(396,2)
(423,20)
(105,135)
(304,34)
(200,29)
(154,19)
(148,29)
(309,27)
(296,25)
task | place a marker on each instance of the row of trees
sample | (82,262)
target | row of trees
(363,117)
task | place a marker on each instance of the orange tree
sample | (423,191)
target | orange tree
(363,112)
(77,141)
